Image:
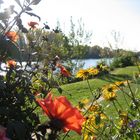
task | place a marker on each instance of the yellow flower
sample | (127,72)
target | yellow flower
(88,136)
(83,73)
(95,107)
(123,118)
(119,83)
(93,123)
(93,71)
(110,96)
(88,129)
(85,137)
(122,83)
(109,92)
(110,88)
(83,103)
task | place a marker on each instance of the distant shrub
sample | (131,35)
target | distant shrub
(127,59)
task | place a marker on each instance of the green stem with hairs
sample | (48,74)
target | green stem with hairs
(115,106)
(133,96)
(89,87)
(119,104)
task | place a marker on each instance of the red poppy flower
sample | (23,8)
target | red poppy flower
(62,114)
(3,133)
(11,63)
(64,71)
(32,24)
(12,35)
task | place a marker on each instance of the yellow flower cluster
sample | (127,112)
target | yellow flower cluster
(83,104)
(86,104)
(86,73)
(93,124)
(95,107)
(95,118)
(109,91)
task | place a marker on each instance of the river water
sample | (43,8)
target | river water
(93,62)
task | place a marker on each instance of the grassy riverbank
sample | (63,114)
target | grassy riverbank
(80,90)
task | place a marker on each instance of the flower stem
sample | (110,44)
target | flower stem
(124,97)
(66,135)
(115,106)
(89,87)
(133,97)
(119,104)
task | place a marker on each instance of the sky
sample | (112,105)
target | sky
(103,18)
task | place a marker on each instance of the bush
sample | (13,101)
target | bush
(127,59)
(103,68)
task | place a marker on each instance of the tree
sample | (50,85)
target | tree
(78,39)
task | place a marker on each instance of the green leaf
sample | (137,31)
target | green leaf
(130,135)
(20,26)
(59,89)
(9,49)
(97,119)
(32,14)
(24,30)
(13,51)
(29,9)
(19,3)
(35,2)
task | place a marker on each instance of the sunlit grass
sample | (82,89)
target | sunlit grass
(80,90)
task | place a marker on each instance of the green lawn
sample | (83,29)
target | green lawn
(79,90)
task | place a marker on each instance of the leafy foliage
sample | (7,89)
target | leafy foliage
(126,59)
(9,49)
(26,88)
(17,106)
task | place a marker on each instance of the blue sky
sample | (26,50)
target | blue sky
(101,17)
